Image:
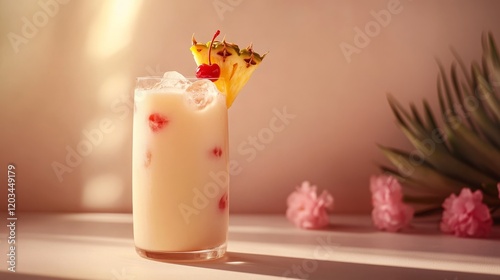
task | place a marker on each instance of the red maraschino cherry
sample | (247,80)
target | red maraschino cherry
(209,71)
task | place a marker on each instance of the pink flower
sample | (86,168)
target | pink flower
(389,212)
(465,215)
(306,209)
(392,216)
(385,190)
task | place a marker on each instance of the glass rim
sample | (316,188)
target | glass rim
(190,78)
(147,84)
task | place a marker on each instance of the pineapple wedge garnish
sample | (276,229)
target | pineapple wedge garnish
(236,65)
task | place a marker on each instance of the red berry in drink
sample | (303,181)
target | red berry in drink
(217,152)
(209,71)
(157,122)
(223,201)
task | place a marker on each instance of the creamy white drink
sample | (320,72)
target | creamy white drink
(180,168)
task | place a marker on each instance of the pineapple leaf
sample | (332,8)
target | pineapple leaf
(405,118)
(442,105)
(429,211)
(482,121)
(410,186)
(433,200)
(477,152)
(465,150)
(450,116)
(416,115)
(444,162)
(477,120)
(446,86)
(486,93)
(459,95)
(486,70)
(421,173)
(493,51)
(429,117)
(493,62)
(463,68)
(395,111)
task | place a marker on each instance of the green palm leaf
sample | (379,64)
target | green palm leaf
(462,151)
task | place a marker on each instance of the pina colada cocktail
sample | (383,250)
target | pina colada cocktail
(180,178)
(180,161)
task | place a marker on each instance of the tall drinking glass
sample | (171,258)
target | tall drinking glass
(179,169)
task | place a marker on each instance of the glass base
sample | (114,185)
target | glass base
(201,255)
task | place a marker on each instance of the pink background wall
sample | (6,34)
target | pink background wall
(75,69)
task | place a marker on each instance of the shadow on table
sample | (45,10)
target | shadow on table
(294,236)
(288,267)
(22,276)
(349,228)
(81,224)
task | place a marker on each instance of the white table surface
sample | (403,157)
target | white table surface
(100,246)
